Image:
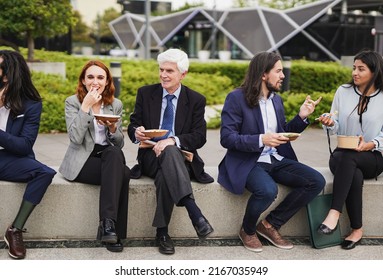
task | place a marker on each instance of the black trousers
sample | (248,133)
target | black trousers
(106,167)
(350,168)
(171,178)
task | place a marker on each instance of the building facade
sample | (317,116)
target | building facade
(323,30)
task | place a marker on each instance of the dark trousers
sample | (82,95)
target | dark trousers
(106,167)
(24,169)
(350,168)
(262,182)
(171,178)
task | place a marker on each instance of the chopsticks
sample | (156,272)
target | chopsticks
(327,115)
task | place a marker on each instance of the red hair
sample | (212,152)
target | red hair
(108,95)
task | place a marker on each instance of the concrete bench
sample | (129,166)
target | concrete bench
(70,210)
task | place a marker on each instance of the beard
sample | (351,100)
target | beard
(272,87)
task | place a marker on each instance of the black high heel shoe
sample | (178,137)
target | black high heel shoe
(323,229)
(349,244)
(107,232)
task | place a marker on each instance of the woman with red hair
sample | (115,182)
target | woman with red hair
(94,155)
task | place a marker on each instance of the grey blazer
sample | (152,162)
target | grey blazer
(80,128)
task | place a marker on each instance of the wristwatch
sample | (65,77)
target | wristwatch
(376,143)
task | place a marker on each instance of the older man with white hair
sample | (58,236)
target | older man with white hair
(171,106)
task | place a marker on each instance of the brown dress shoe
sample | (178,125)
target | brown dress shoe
(14,239)
(272,235)
(250,242)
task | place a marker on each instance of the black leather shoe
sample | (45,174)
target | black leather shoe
(203,228)
(165,244)
(115,247)
(349,244)
(107,232)
(135,172)
(323,229)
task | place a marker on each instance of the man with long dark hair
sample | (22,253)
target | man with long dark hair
(253,123)
(20,111)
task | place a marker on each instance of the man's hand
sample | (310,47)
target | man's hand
(274,139)
(139,135)
(308,107)
(162,144)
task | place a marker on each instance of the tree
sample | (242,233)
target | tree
(187,6)
(32,19)
(80,32)
(285,4)
(241,3)
(101,32)
(109,15)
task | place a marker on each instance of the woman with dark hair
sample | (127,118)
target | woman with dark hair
(356,111)
(94,155)
(20,112)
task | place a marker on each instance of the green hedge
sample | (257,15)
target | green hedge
(214,80)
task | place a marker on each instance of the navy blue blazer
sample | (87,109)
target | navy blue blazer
(241,126)
(21,132)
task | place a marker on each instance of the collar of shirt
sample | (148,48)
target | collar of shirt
(165,92)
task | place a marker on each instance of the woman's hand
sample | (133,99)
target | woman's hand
(365,146)
(326,119)
(91,98)
(308,107)
(112,126)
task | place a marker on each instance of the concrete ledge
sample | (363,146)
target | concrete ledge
(70,210)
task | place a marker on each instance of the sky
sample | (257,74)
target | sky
(90,8)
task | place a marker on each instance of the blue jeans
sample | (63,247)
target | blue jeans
(306,184)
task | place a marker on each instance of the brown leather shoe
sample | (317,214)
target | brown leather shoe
(14,239)
(272,235)
(250,242)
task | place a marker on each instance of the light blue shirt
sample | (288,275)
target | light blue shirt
(270,124)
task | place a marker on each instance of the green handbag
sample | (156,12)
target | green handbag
(317,211)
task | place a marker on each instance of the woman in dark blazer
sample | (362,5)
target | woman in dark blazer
(20,111)
(94,155)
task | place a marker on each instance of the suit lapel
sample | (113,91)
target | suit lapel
(108,110)
(257,115)
(278,110)
(181,111)
(155,107)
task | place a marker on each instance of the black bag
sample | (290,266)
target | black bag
(317,211)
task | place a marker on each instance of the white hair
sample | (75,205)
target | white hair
(177,56)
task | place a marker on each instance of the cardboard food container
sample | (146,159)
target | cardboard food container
(348,142)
